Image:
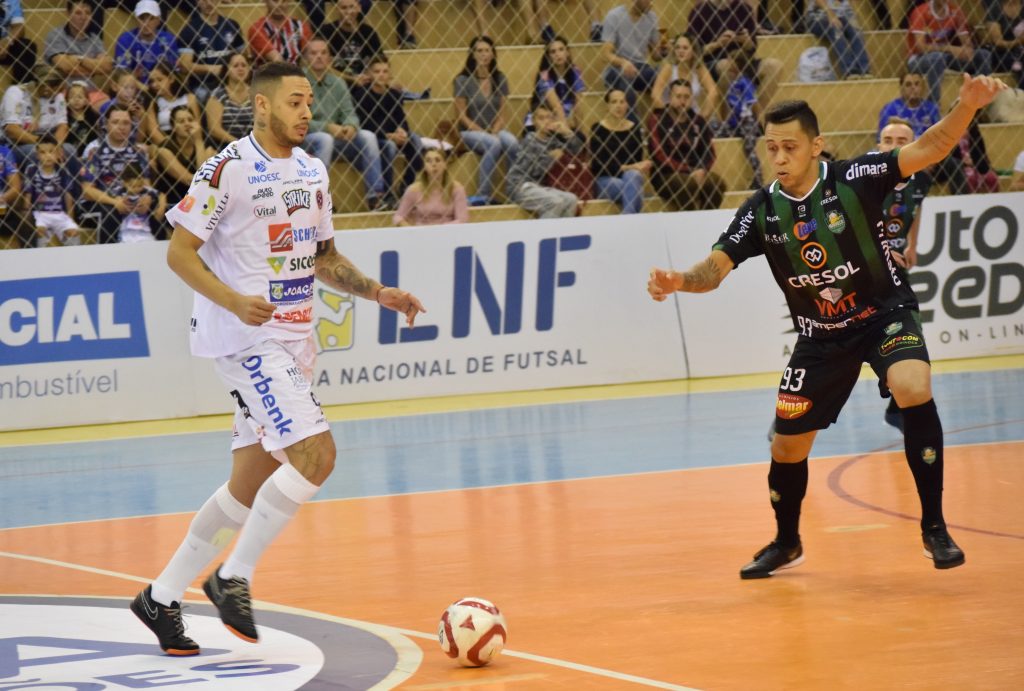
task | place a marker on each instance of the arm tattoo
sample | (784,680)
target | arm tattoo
(338,272)
(702,277)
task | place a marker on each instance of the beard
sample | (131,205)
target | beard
(283,133)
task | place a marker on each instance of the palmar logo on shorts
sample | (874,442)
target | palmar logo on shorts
(790,406)
(295,199)
(836,222)
(893,328)
(928,455)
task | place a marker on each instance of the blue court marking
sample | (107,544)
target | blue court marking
(58,483)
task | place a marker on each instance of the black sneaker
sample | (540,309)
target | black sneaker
(595,33)
(165,622)
(940,548)
(774,557)
(234,604)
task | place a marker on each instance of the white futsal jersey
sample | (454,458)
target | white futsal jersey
(260,219)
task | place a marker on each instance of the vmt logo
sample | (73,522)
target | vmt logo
(470,279)
(87,317)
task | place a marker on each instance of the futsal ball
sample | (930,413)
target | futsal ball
(472,631)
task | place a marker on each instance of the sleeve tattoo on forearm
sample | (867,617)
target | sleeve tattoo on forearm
(338,272)
(702,277)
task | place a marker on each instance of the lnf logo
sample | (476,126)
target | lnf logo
(87,317)
(470,280)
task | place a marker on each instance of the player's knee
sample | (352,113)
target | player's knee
(791,448)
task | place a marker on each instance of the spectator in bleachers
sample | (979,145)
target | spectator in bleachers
(206,41)
(83,121)
(105,158)
(139,49)
(835,22)
(1017,181)
(334,130)
(559,85)
(617,157)
(28,111)
(379,107)
(49,187)
(630,36)
(536,15)
(353,42)
(144,206)
(686,65)
(278,36)
(435,197)
(12,220)
(979,177)
(180,155)
(743,114)
(939,39)
(407,13)
(727,30)
(683,154)
(481,90)
(1006,39)
(167,92)
(77,53)
(550,140)
(229,108)
(17,50)
(128,95)
(911,106)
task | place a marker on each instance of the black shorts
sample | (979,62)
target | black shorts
(821,374)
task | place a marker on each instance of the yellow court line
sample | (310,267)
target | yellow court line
(466,402)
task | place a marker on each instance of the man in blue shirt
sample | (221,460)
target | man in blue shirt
(140,49)
(911,105)
(206,42)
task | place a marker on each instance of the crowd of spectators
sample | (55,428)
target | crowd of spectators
(156,104)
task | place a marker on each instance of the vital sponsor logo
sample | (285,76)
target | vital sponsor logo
(187,203)
(264,211)
(859,170)
(295,199)
(276,263)
(803,229)
(262,386)
(836,223)
(790,406)
(303,316)
(301,263)
(212,170)
(814,255)
(835,303)
(901,342)
(62,318)
(263,193)
(280,237)
(291,290)
(826,277)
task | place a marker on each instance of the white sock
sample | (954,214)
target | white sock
(276,503)
(210,531)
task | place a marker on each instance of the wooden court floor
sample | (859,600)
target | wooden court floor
(608,526)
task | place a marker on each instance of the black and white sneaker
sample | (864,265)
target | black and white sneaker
(940,548)
(165,622)
(771,559)
(234,604)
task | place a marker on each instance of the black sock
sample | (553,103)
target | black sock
(922,440)
(893,407)
(788,485)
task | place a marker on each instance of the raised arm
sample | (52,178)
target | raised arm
(939,139)
(702,277)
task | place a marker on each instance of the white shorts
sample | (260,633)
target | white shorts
(54,223)
(271,383)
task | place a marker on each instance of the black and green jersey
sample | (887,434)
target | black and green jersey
(901,207)
(828,250)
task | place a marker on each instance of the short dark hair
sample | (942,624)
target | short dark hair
(47,138)
(787,111)
(115,107)
(909,71)
(679,82)
(272,73)
(71,4)
(378,58)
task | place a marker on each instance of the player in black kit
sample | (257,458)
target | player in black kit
(821,227)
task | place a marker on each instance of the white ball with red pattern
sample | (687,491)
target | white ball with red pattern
(473,631)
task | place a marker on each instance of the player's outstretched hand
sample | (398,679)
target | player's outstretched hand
(978,92)
(662,283)
(253,310)
(400,301)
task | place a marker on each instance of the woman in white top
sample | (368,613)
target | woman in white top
(168,92)
(687,66)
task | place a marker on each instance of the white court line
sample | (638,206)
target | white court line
(394,635)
